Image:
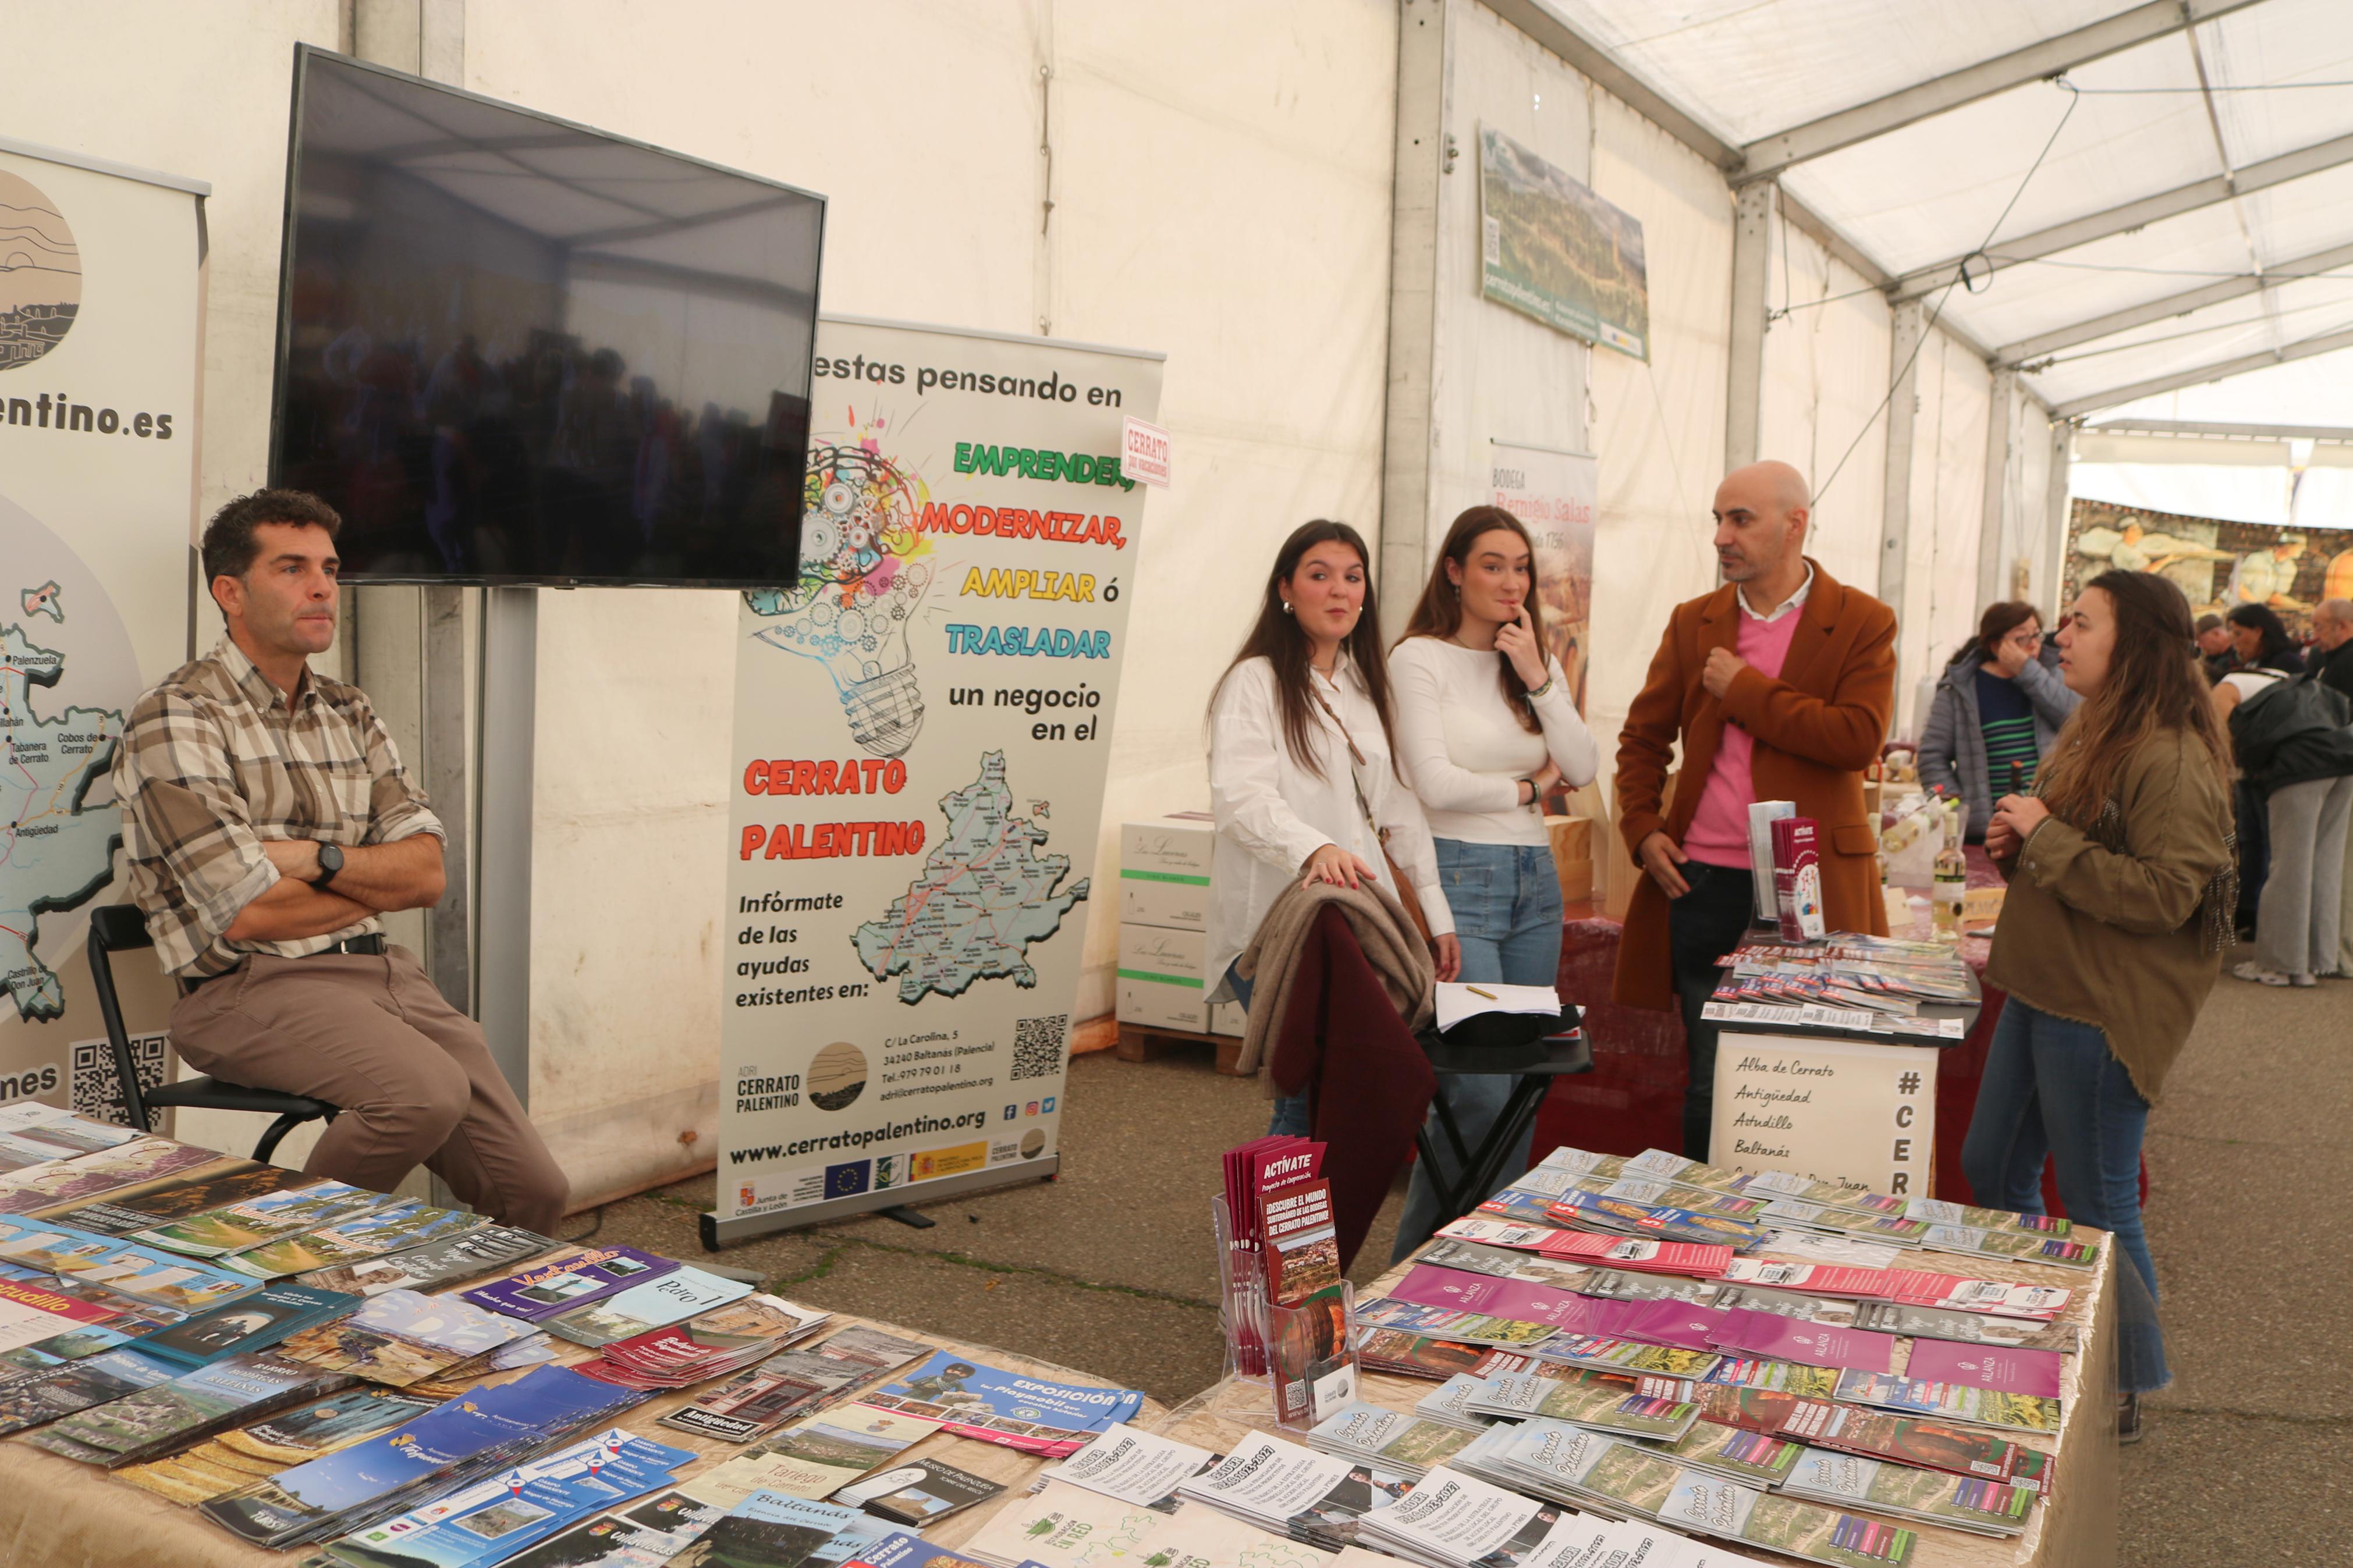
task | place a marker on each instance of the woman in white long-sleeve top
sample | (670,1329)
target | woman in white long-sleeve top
(1300,771)
(1485,727)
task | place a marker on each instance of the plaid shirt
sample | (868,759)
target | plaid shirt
(216,760)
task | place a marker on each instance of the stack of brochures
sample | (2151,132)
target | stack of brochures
(466,1256)
(713,1344)
(1392,1439)
(1453,1520)
(250,1323)
(450,1447)
(241,1455)
(156,1420)
(1065,1526)
(1923,1497)
(1597,1402)
(1286,1489)
(402,1338)
(1006,1409)
(792,1382)
(1135,1466)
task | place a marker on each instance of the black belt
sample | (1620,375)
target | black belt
(372,945)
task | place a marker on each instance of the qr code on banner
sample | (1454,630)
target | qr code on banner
(96,1094)
(1038,1045)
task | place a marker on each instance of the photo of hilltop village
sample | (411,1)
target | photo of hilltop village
(40,273)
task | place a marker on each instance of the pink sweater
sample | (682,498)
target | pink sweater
(1719,829)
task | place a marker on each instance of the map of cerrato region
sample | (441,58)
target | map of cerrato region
(57,847)
(986,892)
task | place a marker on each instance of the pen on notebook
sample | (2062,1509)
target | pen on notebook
(1474,991)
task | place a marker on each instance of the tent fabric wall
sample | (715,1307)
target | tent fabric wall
(1659,427)
(1825,383)
(1269,294)
(2233,492)
(1940,572)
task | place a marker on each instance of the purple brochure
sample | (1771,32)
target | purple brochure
(1777,1338)
(1993,1367)
(1428,1286)
(1680,1324)
(544,1290)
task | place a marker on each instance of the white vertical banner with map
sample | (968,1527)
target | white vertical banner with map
(100,300)
(922,725)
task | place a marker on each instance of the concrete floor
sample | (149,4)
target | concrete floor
(1109,1267)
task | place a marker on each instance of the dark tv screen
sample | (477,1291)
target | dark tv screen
(513,349)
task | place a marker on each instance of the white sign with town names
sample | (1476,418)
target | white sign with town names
(1830,1109)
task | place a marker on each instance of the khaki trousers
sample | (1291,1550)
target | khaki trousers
(414,1075)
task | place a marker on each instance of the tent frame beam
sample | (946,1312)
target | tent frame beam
(2035,348)
(2334,433)
(2329,343)
(2130,215)
(1770,155)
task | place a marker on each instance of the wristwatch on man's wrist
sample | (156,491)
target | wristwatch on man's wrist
(331,862)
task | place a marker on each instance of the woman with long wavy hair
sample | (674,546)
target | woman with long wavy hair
(2112,936)
(1485,727)
(1303,778)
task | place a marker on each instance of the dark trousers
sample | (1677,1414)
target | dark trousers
(1702,927)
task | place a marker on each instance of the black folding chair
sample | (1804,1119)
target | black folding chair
(119,928)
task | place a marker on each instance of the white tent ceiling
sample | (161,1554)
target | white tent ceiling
(2148,195)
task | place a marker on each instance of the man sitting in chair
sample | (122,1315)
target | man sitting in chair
(270,823)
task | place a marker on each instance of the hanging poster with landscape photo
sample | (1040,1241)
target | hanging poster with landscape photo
(922,727)
(1552,249)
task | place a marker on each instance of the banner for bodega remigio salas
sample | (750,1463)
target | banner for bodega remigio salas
(922,724)
(101,304)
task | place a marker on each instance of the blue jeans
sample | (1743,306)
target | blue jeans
(2052,1086)
(1507,915)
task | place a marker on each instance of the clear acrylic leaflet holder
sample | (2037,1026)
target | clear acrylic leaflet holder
(1304,1356)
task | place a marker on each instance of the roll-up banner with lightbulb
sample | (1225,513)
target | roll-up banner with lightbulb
(922,724)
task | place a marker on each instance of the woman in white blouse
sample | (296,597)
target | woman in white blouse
(1301,775)
(1485,727)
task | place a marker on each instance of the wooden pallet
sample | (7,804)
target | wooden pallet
(1149,1042)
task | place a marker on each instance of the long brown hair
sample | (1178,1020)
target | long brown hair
(2152,684)
(1439,612)
(1276,638)
(2001,619)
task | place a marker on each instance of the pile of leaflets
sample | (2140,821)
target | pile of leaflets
(249,1323)
(794,1382)
(32,1133)
(264,1218)
(58,1184)
(1006,1409)
(124,1267)
(548,1288)
(42,1326)
(477,1252)
(169,1416)
(217,1186)
(1453,1520)
(402,1338)
(1281,1246)
(241,1455)
(815,1456)
(714,1344)
(448,1448)
(1392,1439)
(1877,1435)
(672,1298)
(1599,1402)
(918,1493)
(1582,1210)
(1066,1526)
(368,1233)
(500,1519)
(1923,1497)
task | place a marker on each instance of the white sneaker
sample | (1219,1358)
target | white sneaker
(2303,980)
(2252,970)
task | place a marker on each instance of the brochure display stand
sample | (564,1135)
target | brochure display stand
(1305,1355)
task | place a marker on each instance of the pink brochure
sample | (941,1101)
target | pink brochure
(1778,1338)
(1987,1366)
(1680,1324)
(1428,1285)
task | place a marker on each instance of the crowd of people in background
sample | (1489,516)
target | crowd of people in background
(2124,772)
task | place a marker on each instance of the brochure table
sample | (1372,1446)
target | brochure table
(2074,1527)
(55,1513)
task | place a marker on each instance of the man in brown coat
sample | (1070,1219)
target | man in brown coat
(1780,684)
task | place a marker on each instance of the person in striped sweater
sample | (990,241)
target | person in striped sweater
(1996,712)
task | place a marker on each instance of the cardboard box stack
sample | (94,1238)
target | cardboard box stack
(1164,901)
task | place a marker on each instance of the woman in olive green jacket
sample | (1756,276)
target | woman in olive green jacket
(2119,905)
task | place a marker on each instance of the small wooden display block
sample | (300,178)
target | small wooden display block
(1149,1042)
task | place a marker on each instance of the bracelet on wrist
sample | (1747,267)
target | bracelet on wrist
(1537,691)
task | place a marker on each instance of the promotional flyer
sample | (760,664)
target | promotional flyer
(922,728)
(100,295)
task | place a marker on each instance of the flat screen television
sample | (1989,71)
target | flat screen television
(513,349)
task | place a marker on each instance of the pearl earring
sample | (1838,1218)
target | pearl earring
(1286,606)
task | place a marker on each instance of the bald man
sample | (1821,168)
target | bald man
(1779,685)
(2331,660)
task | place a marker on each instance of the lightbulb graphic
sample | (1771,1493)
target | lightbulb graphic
(863,576)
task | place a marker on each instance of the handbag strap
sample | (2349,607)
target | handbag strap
(1355,760)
